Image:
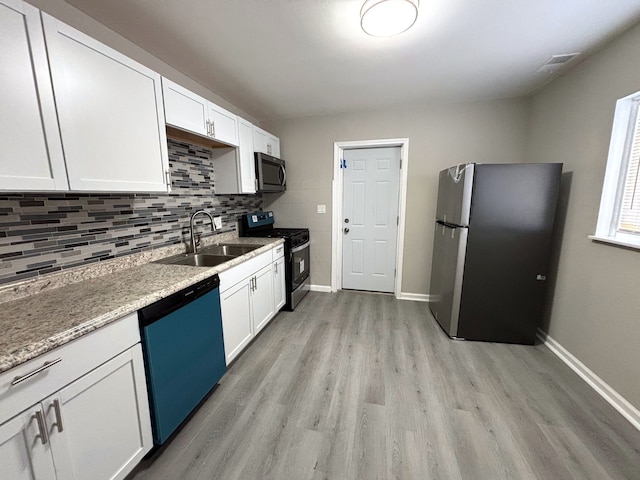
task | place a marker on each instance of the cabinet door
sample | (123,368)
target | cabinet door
(110,113)
(23,455)
(224,124)
(279,297)
(262,300)
(235,304)
(32,156)
(265,142)
(184,109)
(260,140)
(274,145)
(101,427)
(247,166)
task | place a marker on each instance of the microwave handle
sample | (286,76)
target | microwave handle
(284,176)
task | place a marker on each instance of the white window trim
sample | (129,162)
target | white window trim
(608,214)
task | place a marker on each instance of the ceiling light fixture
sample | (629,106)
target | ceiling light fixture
(386,18)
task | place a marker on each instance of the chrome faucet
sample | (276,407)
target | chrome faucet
(194,244)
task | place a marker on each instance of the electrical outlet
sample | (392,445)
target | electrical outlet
(217,222)
(321,209)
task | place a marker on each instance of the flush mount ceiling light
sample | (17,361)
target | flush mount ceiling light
(386,18)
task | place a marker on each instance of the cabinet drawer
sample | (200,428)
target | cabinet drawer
(278,252)
(77,358)
(232,276)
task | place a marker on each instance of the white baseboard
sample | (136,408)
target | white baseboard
(320,288)
(416,297)
(617,401)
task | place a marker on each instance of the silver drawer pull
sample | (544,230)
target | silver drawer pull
(46,365)
(56,409)
(44,438)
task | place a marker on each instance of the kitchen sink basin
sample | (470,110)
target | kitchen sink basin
(229,249)
(197,260)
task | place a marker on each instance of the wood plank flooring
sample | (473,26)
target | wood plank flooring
(363,386)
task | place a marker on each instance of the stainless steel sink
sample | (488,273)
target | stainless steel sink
(197,260)
(229,249)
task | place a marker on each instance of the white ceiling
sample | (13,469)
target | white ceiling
(292,58)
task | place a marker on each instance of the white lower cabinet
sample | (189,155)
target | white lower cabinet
(100,433)
(248,296)
(237,329)
(262,301)
(24,453)
(97,426)
(279,288)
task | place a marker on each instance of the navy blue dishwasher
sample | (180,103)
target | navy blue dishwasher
(183,352)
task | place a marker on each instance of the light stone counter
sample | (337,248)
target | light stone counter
(32,325)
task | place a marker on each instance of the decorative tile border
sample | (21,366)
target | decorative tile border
(41,233)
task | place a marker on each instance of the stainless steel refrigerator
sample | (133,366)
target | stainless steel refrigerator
(491,251)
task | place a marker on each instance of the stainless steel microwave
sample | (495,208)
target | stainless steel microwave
(271,175)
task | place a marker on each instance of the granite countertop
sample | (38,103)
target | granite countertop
(37,323)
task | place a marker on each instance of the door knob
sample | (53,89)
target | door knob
(346,230)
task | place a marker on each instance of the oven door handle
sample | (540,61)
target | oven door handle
(301,247)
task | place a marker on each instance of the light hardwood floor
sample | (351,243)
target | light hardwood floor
(362,386)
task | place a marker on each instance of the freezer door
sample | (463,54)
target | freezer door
(447,268)
(454,194)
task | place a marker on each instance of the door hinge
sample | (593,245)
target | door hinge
(395,272)
(398,220)
(400,164)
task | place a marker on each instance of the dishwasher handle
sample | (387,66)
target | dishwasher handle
(173,302)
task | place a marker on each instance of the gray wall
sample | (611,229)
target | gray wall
(596,308)
(439,136)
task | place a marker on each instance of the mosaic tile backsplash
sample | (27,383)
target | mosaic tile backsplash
(48,232)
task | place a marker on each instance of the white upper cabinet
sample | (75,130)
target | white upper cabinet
(187,111)
(265,142)
(31,152)
(235,170)
(223,124)
(110,113)
(247,164)
(184,109)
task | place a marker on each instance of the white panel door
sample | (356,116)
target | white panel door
(247,166)
(279,289)
(32,157)
(265,142)
(110,113)
(237,330)
(101,427)
(184,109)
(262,299)
(223,124)
(273,144)
(24,453)
(370,209)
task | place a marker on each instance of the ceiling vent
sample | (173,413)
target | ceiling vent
(557,61)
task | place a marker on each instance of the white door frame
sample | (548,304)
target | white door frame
(337,209)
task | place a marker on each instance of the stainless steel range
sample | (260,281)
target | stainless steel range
(296,252)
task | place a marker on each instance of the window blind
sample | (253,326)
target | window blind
(629,219)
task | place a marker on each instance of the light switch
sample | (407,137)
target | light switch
(321,209)
(217,222)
